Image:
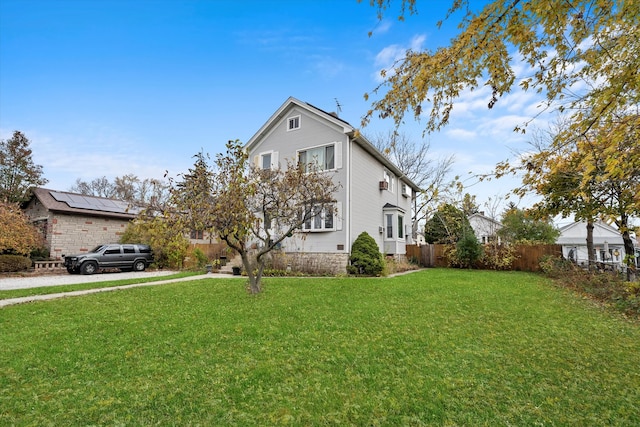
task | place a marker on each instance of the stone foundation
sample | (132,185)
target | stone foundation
(310,263)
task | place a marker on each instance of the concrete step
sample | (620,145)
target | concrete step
(235,261)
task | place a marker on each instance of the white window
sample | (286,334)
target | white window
(390,179)
(293,123)
(266,160)
(325,157)
(322,219)
(389,226)
(393,219)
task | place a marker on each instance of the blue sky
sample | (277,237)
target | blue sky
(110,87)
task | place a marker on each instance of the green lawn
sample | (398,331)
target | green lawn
(436,347)
(46,290)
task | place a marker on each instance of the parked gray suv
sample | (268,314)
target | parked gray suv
(126,257)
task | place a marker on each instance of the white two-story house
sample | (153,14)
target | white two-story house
(374,196)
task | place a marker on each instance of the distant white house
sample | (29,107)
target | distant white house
(485,228)
(607,242)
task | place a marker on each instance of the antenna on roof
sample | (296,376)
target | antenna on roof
(338,106)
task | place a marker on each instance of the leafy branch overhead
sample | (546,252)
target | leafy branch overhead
(566,43)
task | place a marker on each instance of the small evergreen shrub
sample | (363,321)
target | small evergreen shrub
(12,263)
(468,250)
(39,254)
(365,258)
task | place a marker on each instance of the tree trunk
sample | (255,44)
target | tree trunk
(254,280)
(590,250)
(254,275)
(629,250)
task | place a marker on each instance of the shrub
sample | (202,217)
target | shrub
(17,234)
(608,288)
(498,257)
(168,243)
(365,258)
(39,254)
(468,250)
(12,263)
(393,266)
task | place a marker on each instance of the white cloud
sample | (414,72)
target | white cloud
(392,54)
(461,134)
(382,27)
(101,152)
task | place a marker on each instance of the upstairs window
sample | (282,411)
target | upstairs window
(197,234)
(320,158)
(293,123)
(390,179)
(266,161)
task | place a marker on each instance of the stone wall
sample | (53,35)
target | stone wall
(71,234)
(310,263)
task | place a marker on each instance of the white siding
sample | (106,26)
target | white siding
(314,131)
(367,201)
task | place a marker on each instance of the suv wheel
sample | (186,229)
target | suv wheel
(139,266)
(89,268)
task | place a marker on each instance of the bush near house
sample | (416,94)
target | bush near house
(12,263)
(365,258)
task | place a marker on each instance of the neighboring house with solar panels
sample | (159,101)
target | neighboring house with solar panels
(73,223)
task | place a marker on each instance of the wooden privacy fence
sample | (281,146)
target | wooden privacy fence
(214,250)
(527,256)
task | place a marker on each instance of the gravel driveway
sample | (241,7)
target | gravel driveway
(7,283)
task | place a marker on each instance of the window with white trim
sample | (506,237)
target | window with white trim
(321,218)
(318,158)
(266,160)
(390,179)
(293,123)
(393,219)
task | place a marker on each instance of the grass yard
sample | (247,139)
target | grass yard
(46,290)
(436,347)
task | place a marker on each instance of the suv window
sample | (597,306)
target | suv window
(144,249)
(129,249)
(112,250)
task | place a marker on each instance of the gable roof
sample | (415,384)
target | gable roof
(576,234)
(480,216)
(346,128)
(73,203)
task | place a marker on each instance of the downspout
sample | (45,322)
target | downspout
(347,209)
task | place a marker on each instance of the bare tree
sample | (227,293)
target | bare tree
(429,173)
(99,187)
(152,194)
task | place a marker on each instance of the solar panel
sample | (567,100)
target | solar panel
(94,203)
